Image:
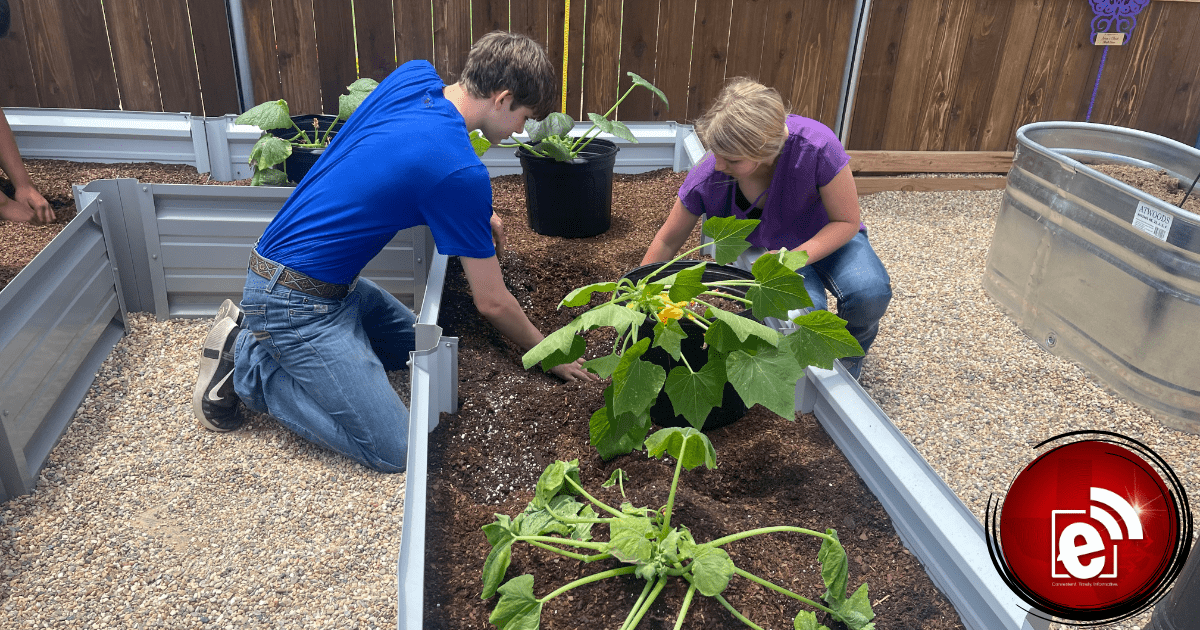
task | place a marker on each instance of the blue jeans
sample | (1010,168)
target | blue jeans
(319,366)
(858,281)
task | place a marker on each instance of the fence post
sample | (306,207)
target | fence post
(241,54)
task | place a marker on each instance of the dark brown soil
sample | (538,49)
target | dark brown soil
(512,423)
(1157,183)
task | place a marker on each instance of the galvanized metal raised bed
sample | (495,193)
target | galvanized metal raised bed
(177,251)
(1099,272)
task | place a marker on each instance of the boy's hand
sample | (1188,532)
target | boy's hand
(498,233)
(15,211)
(34,200)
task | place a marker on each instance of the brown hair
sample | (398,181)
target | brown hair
(502,60)
(747,121)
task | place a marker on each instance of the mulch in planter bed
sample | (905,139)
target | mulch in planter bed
(512,423)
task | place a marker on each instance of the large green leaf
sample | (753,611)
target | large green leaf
(646,84)
(601,123)
(630,539)
(768,378)
(554,148)
(778,291)
(603,366)
(269,151)
(694,394)
(636,383)
(806,620)
(583,295)
(729,236)
(517,609)
(834,570)
(618,316)
(268,177)
(688,283)
(793,260)
(743,327)
(556,124)
(667,336)
(616,436)
(820,338)
(856,611)
(562,343)
(621,131)
(554,481)
(711,569)
(479,143)
(500,536)
(685,444)
(268,115)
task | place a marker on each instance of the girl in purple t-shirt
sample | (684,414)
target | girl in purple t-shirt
(792,174)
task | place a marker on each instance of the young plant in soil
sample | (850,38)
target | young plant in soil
(271,150)
(651,547)
(762,364)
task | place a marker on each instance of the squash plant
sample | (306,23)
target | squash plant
(762,364)
(271,150)
(648,545)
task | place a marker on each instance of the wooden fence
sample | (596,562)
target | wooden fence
(954,75)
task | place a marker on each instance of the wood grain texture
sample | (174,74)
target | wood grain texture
(133,54)
(18,87)
(913,64)
(260,45)
(488,16)
(986,27)
(999,121)
(214,57)
(1172,111)
(639,53)
(603,81)
(414,31)
(747,24)
(575,70)
(451,37)
(880,68)
(781,37)
(335,51)
(710,53)
(529,17)
(930,161)
(375,32)
(53,72)
(174,58)
(674,57)
(868,185)
(945,62)
(91,61)
(822,47)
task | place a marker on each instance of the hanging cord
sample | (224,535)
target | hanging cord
(566,47)
(1189,191)
(1109,13)
(1096,87)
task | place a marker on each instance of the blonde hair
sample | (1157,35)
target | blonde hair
(747,121)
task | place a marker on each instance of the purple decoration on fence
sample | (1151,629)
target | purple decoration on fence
(1122,14)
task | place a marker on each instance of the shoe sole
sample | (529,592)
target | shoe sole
(216,339)
(230,310)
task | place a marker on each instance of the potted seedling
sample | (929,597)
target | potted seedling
(295,141)
(762,364)
(568,179)
(645,544)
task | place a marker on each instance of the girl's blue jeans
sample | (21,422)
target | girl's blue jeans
(319,366)
(858,281)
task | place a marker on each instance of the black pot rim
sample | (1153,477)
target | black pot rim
(609,148)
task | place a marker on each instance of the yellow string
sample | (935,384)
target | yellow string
(566,36)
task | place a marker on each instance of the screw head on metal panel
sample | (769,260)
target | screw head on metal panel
(154,256)
(1051,340)
(6,412)
(419,261)
(145,188)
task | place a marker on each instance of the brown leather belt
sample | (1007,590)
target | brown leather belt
(293,279)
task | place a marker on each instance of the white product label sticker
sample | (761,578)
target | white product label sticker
(1154,222)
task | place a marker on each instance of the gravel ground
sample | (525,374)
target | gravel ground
(141,520)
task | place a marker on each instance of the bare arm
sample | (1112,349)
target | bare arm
(840,197)
(498,305)
(27,203)
(672,235)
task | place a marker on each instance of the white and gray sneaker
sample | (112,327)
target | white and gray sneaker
(214,402)
(230,310)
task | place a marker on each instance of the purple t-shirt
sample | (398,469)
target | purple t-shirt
(811,157)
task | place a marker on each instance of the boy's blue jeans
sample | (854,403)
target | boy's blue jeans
(320,366)
(858,281)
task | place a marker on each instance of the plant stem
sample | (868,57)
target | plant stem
(582,544)
(595,577)
(598,502)
(636,607)
(780,589)
(687,603)
(666,528)
(742,618)
(770,530)
(658,587)
(571,554)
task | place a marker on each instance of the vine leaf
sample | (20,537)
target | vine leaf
(517,609)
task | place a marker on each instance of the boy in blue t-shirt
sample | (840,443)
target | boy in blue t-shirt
(311,341)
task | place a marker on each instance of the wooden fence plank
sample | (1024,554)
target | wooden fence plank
(174,59)
(983,51)
(18,87)
(823,42)
(748,22)
(488,16)
(945,61)
(91,61)
(575,69)
(1047,61)
(335,51)
(133,54)
(451,37)
(930,161)
(710,46)
(296,46)
(878,75)
(414,31)
(868,185)
(260,45)
(777,67)
(375,32)
(998,129)
(674,57)
(602,57)
(529,17)
(915,50)
(53,73)
(1174,111)
(214,56)
(1079,63)
(639,50)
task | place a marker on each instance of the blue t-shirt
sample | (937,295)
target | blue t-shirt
(403,159)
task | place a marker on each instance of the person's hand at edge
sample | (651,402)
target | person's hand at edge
(498,233)
(15,211)
(34,200)
(573,371)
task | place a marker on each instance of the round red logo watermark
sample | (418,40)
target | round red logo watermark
(1093,530)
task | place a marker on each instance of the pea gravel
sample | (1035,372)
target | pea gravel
(142,520)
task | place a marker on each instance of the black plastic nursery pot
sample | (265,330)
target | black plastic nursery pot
(570,199)
(692,348)
(297,165)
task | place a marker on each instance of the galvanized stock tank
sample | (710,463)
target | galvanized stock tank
(1099,272)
